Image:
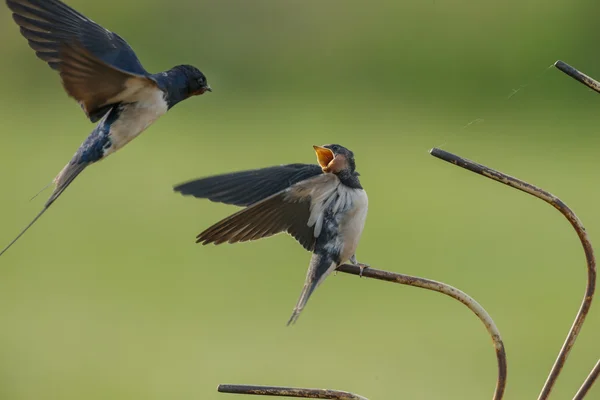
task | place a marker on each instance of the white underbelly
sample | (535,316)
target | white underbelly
(328,194)
(352,224)
(134,119)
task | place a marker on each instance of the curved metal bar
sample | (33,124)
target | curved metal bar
(456,294)
(581,232)
(589,381)
(403,280)
(577,75)
(289,392)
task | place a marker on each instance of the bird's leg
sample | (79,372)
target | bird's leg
(362,267)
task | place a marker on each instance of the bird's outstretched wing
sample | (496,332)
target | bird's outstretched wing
(98,68)
(248,187)
(266,218)
(296,210)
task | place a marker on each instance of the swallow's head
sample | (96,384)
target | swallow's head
(335,159)
(195,80)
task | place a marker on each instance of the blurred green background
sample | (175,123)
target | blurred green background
(108,297)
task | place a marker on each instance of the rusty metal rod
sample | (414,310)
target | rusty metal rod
(589,381)
(594,85)
(577,75)
(583,237)
(403,280)
(456,294)
(289,392)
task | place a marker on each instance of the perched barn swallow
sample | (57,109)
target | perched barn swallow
(323,207)
(101,71)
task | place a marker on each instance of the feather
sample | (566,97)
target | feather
(248,187)
(63,180)
(81,50)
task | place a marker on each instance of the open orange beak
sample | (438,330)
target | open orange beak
(324,156)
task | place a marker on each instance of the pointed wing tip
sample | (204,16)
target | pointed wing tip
(185,190)
(200,239)
(181,186)
(13,6)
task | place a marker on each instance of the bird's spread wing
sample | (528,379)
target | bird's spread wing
(248,187)
(98,68)
(98,86)
(266,218)
(287,211)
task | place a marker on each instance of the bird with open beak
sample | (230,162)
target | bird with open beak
(102,72)
(323,207)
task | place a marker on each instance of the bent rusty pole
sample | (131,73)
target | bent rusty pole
(589,381)
(289,392)
(403,280)
(456,294)
(577,75)
(583,237)
(594,85)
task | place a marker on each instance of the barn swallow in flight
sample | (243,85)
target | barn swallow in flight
(101,71)
(323,207)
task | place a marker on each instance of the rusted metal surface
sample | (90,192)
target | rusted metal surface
(289,392)
(588,383)
(581,232)
(453,292)
(577,75)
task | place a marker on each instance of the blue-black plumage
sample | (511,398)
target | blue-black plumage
(102,72)
(323,207)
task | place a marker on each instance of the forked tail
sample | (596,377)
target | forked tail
(24,230)
(320,267)
(64,179)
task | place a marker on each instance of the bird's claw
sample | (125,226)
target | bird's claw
(362,268)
